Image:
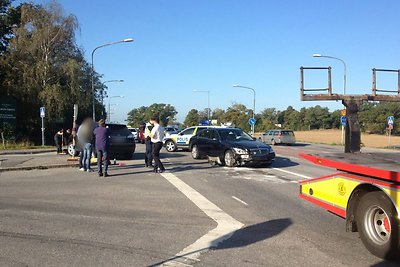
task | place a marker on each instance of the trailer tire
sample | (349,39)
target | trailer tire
(378,225)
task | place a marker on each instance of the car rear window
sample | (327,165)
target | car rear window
(118,128)
(289,133)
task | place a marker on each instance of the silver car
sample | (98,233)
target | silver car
(275,137)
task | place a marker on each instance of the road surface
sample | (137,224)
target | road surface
(64,217)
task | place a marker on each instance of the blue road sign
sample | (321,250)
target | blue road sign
(252,121)
(390,120)
(42,112)
(343,120)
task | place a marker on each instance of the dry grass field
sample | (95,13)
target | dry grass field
(334,137)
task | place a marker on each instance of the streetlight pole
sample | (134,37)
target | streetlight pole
(344,81)
(102,95)
(254,103)
(345,68)
(208,101)
(128,40)
(109,105)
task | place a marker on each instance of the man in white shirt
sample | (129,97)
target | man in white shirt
(157,136)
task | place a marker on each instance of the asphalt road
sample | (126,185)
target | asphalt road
(64,217)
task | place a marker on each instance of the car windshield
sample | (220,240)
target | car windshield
(234,135)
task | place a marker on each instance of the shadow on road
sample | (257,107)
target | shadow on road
(240,238)
(255,233)
(282,162)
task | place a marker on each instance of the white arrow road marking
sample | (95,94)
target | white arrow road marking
(226,225)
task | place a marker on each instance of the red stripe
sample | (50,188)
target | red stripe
(354,168)
(336,210)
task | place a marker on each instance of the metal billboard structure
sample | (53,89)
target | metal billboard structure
(351,102)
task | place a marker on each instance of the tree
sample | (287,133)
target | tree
(218,114)
(192,118)
(239,115)
(165,112)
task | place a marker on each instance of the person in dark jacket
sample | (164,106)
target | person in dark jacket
(58,140)
(148,155)
(102,141)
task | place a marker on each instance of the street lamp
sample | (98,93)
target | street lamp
(102,95)
(254,103)
(344,83)
(128,40)
(344,64)
(208,101)
(109,105)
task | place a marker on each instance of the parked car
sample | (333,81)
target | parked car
(182,139)
(122,142)
(169,130)
(275,137)
(134,131)
(230,146)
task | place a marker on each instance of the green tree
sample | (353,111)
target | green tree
(192,118)
(239,115)
(165,112)
(218,114)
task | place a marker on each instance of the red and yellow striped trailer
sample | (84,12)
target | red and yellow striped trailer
(365,191)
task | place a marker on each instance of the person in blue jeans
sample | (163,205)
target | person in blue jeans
(102,141)
(85,138)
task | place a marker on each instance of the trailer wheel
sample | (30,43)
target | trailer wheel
(378,225)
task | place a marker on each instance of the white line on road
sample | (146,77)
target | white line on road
(241,201)
(292,173)
(226,225)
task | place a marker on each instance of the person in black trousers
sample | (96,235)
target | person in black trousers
(157,136)
(148,156)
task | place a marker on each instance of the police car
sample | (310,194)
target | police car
(182,139)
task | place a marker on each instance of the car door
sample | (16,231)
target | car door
(215,146)
(202,141)
(183,137)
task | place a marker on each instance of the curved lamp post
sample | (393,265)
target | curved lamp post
(254,103)
(109,105)
(128,40)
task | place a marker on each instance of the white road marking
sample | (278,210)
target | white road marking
(239,200)
(226,225)
(292,173)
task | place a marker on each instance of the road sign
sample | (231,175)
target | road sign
(42,112)
(390,120)
(252,121)
(343,119)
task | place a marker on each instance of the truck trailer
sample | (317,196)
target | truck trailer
(365,191)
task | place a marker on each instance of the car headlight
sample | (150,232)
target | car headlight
(240,151)
(130,136)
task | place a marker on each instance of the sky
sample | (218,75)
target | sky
(185,45)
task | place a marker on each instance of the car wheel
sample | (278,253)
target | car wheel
(72,151)
(195,152)
(378,225)
(170,146)
(273,142)
(229,159)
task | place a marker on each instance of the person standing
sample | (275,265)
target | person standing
(148,156)
(102,137)
(157,136)
(58,140)
(85,135)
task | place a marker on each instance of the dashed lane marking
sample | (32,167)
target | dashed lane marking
(226,225)
(239,200)
(292,173)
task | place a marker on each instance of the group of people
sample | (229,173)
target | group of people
(88,137)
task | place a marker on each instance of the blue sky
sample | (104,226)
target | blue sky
(182,45)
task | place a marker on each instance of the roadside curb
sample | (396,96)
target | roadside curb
(40,167)
(27,152)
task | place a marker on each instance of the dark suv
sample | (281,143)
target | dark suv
(230,146)
(122,141)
